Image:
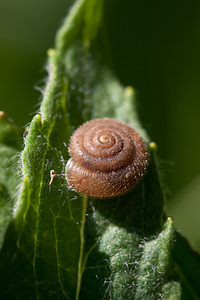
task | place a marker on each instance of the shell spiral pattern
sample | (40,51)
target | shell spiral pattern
(108,158)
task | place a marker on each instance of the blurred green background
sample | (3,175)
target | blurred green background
(155,47)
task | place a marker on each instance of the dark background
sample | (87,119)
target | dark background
(155,48)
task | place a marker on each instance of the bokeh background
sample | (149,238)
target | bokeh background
(155,47)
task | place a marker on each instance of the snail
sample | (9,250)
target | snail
(108,158)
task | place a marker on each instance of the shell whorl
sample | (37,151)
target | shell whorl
(108,158)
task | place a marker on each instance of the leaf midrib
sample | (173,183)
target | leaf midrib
(82,242)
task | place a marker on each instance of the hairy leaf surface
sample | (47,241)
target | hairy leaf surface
(63,245)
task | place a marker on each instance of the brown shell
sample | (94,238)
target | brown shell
(108,158)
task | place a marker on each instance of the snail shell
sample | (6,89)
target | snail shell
(108,158)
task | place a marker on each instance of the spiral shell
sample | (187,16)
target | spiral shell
(108,158)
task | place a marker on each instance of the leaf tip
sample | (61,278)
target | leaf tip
(153,146)
(50,52)
(38,118)
(170,220)
(169,225)
(129,91)
(36,123)
(3,115)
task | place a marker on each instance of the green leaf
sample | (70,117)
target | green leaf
(63,245)
(10,139)
(187,262)
(154,265)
